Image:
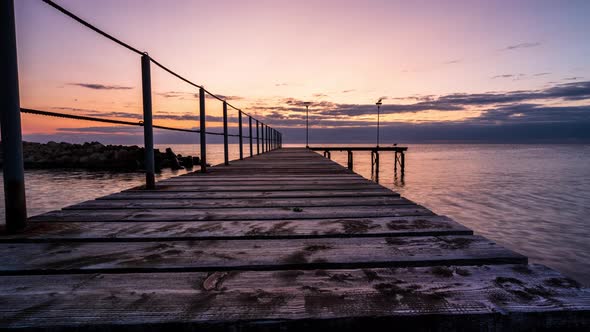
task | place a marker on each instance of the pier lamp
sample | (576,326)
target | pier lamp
(378,103)
(307,124)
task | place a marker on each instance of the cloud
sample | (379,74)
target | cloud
(573,78)
(178,94)
(541,74)
(521,45)
(291,111)
(503,76)
(451,62)
(281,84)
(515,77)
(319,95)
(95,86)
(348,91)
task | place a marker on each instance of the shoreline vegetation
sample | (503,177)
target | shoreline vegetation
(96,156)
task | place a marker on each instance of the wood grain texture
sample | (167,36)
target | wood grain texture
(245,229)
(253,213)
(484,298)
(270,254)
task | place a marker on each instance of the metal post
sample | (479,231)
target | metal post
(203,130)
(12,145)
(148,130)
(241,135)
(307,126)
(250,133)
(257,138)
(378,115)
(225,142)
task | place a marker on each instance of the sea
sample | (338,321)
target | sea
(533,199)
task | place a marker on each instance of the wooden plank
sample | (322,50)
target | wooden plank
(238,203)
(273,185)
(245,229)
(161,195)
(253,213)
(245,181)
(483,298)
(266,187)
(268,254)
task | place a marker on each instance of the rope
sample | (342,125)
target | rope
(133,49)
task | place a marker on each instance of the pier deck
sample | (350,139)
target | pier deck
(287,240)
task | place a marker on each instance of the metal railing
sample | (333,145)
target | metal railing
(266,137)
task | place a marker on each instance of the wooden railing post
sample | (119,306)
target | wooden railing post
(203,130)
(225,140)
(250,133)
(148,130)
(12,145)
(257,138)
(263,143)
(241,135)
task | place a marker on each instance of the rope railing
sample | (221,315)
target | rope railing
(112,121)
(266,138)
(270,137)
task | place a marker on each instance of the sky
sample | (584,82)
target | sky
(447,71)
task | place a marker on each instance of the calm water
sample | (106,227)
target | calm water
(534,199)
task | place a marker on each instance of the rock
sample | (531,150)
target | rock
(174,164)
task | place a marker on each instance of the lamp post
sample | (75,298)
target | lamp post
(379,103)
(307,125)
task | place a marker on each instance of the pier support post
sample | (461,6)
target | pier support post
(203,130)
(12,145)
(225,138)
(257,138)
(148,130)
(250,133)
(262,136)
(375,165)
(395,161)
(403,163)
(241,135)
(350,162)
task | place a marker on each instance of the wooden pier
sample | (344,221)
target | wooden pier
(287,240)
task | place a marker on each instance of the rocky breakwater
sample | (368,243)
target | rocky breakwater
(95,155)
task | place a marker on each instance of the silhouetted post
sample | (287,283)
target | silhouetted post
(350,162)
(375,165)
(262,136)
(403,163)
(250,133)
(257,138)
(395,161)
(225,143)
(12,144)
(148,130)
(379,103)
(241,135)
(203,130)
(307,125)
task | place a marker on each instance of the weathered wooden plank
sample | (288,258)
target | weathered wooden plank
(245,229)
(253,185)
(484,298)
(265,187)
(244,182)
(253,213)
(268,254)
(161,195)
(238,203)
